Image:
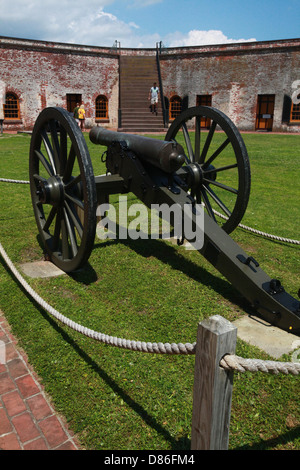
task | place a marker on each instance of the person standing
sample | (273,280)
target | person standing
(153,97)
(75,113)
(81,116)
(2,104)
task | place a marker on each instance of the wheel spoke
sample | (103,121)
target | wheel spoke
(39,178)
(216,153)
(221,185)
(222,168)
(73,183)
(71,233)
(63,149)
(75,219)
(69,165)
(207,204)
(55,145)
(55,239)
(188,143)
(208,141)
(218,201)
(64,239)
(48,148)
(75,200)
(197,138)
(50,219)
(45,163)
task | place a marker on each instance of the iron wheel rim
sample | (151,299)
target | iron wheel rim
(63,190)
(205,157)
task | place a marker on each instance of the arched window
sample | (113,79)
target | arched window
(175,107)
(295,111)
(11,107)
(101,107)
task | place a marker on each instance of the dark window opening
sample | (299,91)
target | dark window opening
(72,101)
(101,107)
(11,107)
(204,100)
(175,107)
(295,112)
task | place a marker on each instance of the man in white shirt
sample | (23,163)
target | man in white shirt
(153,97)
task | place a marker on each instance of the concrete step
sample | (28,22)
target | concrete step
(137,75)
(142,117)
(142,129)
(136,104)
(141,112)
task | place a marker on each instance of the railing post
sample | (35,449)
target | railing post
(162,98)
(212,385)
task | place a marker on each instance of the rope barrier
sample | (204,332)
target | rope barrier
(6,180)
(232,362)
(245,227)
(259,232)
(228,362)
(158,348)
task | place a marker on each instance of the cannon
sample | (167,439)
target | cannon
(211,169)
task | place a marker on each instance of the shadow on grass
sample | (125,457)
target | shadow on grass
(274,442)
(167,254)
(183,443)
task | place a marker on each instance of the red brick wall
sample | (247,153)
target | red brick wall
(235,75)
(41,74)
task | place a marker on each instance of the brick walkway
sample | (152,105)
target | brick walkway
(27,419)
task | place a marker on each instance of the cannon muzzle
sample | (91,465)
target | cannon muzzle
(168,156)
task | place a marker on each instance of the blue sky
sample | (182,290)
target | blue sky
(143,23)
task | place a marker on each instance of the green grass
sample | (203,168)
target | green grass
(151,291)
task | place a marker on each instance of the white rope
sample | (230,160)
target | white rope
(231,362)
(228,362)
(259,232)
(159,348)
(6,180)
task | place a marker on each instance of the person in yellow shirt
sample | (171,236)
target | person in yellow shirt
(81,116)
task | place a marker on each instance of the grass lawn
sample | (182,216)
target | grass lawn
(151,290)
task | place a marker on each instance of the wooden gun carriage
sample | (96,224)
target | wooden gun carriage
(211,169)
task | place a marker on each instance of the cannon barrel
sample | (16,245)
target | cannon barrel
(168,156)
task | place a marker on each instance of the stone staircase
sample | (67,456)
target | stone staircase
(137,75)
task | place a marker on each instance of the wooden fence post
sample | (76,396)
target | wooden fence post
(212,385)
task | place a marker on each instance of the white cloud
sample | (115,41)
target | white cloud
(88,23)
(60,20)
(133,25)
(72,22)
(199,38)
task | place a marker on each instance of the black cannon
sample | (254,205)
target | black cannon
(212,169)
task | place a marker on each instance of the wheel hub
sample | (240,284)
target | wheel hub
(195,175)
(51,191)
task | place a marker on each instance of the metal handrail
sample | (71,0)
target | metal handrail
(165,114)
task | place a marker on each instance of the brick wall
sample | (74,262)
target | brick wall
(42,74)
(235,75)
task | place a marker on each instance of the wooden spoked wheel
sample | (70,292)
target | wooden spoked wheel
(63,189)
(218,162)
